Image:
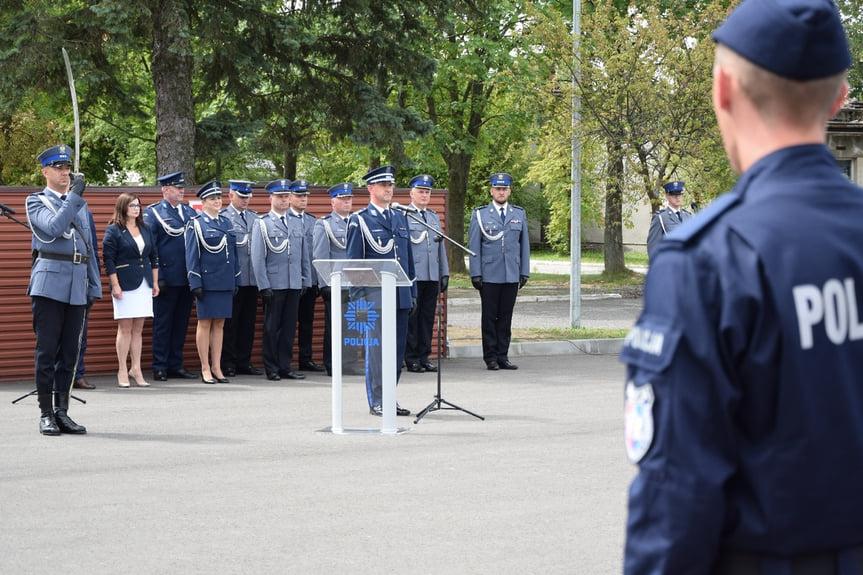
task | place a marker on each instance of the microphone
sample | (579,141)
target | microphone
(406,209)
(5,208)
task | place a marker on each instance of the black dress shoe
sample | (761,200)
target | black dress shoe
(311,366)
(160,375)
(82,383)
(48,425)
(249,370)
(181,373)
(211,380)
(376,410)
(401,410)
(274,376)
(492,366)
(428,366)
(286,374)
(415,367)
(229,371)
(505,364)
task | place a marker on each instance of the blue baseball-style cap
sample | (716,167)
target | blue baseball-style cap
(279,187)
(241,187)
(674,188)
(299,187)
(421,181)
(382,175)
(210,189)
(500,180)
(56,156)
(343,190)
(796,39)
(177,179)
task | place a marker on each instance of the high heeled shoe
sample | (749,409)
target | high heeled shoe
(205,380)
(139,380)
(222,379)
(123,384)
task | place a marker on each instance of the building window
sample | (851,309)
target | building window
(846,167)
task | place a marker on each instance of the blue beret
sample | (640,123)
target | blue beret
(177,179)
(501,180)
(421,181)
(675,187)
(343,190)
(56,156)
(241,187)
(795,39)
(299,187)
(279,187)
(382,175)
(209,189)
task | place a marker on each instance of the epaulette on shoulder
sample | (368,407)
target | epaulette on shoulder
(251,211)
(153,205)
(431,210)
(326,217)
(705,218)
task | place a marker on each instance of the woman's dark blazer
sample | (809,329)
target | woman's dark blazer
(120,255)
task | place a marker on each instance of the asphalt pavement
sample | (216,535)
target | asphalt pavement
(245,477)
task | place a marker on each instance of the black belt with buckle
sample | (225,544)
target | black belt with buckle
(74,258)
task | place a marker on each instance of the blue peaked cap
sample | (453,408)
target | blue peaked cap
(796,39)
(382,175)
(279,187)
(177,179)
(343,190)
(501,180)
(421,181)
(241,187)
(675,187)
(56,156)
(209,189)
(299,187)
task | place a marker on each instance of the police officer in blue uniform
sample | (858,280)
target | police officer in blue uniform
(667,219)
(432,269)
(330,243)
(240,327)
(173,306)
(306,313)
(211,261)
(743,399)
(64,283)
(282,268)
(378,232)
(499,238)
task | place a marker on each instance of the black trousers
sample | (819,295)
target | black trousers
(498,302)
(58,327)
(421,324)
(239,331)
(280,324)
(305,323)
(171,311)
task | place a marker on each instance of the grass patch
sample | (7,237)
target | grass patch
(560,334)
(628,278)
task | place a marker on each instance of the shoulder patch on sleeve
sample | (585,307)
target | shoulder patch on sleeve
(651,343)
(638,420)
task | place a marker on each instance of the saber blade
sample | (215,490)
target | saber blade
(74,109)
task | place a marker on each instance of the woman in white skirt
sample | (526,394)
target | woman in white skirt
(132,264)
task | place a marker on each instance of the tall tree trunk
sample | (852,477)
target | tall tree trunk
(172,80)
(458,168)
(613,235)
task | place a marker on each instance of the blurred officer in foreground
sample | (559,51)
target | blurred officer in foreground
(432,270)
(667,219)
(167,220)
(378,232)
(64,283)
(498,236)
(330,243)
(240,327)
(280,262)
(306,312)
(744,403)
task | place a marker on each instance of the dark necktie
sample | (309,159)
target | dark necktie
(423,212)
(502,216)
(679,219)
(284,223)
(243,217)
(63,198)
(387,215)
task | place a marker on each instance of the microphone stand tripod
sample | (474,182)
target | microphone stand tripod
(439,403)
(8,214)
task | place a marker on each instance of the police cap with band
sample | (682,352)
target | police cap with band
(343,190)
(501,180)
(382,175)
(241,187)
(299,187)
(210,189)
(422,181)
(674,188)
(177,179)
(279,187)
(56,156)
(795,39)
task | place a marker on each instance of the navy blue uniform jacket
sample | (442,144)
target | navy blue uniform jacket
(120,255)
